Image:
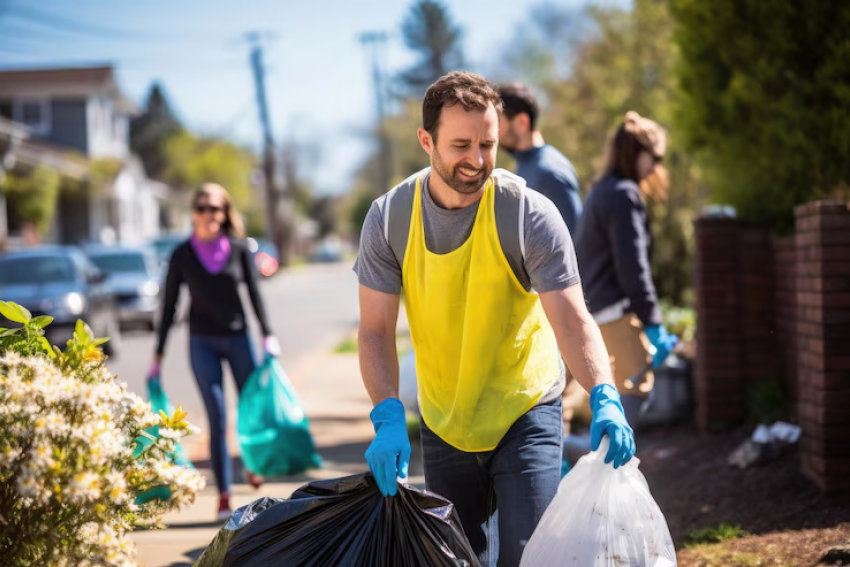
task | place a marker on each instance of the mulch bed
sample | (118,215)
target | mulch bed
(695,488)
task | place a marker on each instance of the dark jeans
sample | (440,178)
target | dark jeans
(510,486)
(207,353)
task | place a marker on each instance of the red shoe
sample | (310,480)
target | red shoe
(224,511)
(254,480)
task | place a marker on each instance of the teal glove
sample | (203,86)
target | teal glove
(389,454)
(609,419)
(662,341)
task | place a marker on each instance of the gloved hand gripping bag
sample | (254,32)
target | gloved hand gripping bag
(343,522)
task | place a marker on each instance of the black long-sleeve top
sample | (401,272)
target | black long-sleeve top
(216,308)
(613,247)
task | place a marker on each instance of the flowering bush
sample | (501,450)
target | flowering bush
(75,455)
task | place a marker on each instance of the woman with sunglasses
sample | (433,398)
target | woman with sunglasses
(212,264)
(613,246)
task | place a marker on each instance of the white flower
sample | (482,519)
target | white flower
(170,433)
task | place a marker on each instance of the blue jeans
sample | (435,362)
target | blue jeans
(207,353)
(510,486)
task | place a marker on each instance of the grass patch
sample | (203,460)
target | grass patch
(718,534)
(347,346)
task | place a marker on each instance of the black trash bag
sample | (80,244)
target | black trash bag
(344,522)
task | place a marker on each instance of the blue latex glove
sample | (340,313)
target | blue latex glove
(609,419)
(662,341)
(389,454)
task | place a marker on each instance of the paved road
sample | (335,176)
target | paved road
(311,309)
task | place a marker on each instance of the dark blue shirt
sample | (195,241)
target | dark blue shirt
(548,171)
(613,248)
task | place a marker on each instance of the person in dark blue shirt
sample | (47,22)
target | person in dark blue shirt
(544,168)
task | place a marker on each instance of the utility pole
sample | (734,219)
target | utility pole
(277,228)
(375,42)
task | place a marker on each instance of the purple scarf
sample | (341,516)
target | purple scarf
(213,254)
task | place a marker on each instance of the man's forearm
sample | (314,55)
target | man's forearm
(579,339)
(378,364)
(587,356)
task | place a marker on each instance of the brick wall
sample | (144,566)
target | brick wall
(823,341)
(779,308)
(785,268)
(718,379)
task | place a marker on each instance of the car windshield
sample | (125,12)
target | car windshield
(36,270)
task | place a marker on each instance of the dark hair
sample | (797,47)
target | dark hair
(517,99)
(473,91)
(232,225)
(623,153)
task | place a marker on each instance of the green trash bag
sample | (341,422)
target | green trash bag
(159,401)
(273,431)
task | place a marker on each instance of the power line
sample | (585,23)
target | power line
(67,25)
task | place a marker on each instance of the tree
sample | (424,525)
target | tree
(33,196)
(191,161)
(765,100)
(150,130)
(430,33)
(620,59)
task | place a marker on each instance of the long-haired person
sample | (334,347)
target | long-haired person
(613,246)
(211,264)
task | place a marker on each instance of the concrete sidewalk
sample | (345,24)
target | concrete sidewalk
(338,407)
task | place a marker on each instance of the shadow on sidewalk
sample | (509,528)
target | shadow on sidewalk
(191,557)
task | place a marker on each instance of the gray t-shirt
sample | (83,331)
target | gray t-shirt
(549,260)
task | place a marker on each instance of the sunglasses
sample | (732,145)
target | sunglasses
(201,209)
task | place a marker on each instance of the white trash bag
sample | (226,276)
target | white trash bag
(601,517)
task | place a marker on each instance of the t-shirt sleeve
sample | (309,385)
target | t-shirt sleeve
(376,265)
(550,257)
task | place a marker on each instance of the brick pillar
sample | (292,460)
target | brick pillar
(719,384)
(823,342)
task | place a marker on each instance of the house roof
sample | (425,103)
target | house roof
(69,82)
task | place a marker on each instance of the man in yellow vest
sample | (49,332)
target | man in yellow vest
(492,294)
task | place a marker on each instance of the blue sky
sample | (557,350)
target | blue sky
(319,83)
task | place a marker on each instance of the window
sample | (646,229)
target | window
(34,113)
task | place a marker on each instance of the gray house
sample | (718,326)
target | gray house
(82,111)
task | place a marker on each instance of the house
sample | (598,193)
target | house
(81,113)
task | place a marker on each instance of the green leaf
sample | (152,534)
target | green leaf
(83,333)
(47,346)
(14,312)
(100,341)
(42,321)
(10,332)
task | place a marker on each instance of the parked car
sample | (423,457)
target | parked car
(164,246)
(60,281)
(133,277)
(328,250)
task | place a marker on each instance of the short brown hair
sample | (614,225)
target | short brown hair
(517,99)
(473,91)
(233,220)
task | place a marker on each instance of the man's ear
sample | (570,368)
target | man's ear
(425,140)
(523,122)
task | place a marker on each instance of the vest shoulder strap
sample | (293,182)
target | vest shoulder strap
(510,217)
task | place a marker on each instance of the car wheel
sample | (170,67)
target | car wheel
(113,330)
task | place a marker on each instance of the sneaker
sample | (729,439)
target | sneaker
(253,479)
(224,511)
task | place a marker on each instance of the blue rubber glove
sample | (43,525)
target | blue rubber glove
(389,454)
(662,341)
(609,419)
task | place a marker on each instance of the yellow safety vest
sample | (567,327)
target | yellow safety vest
(485,351)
